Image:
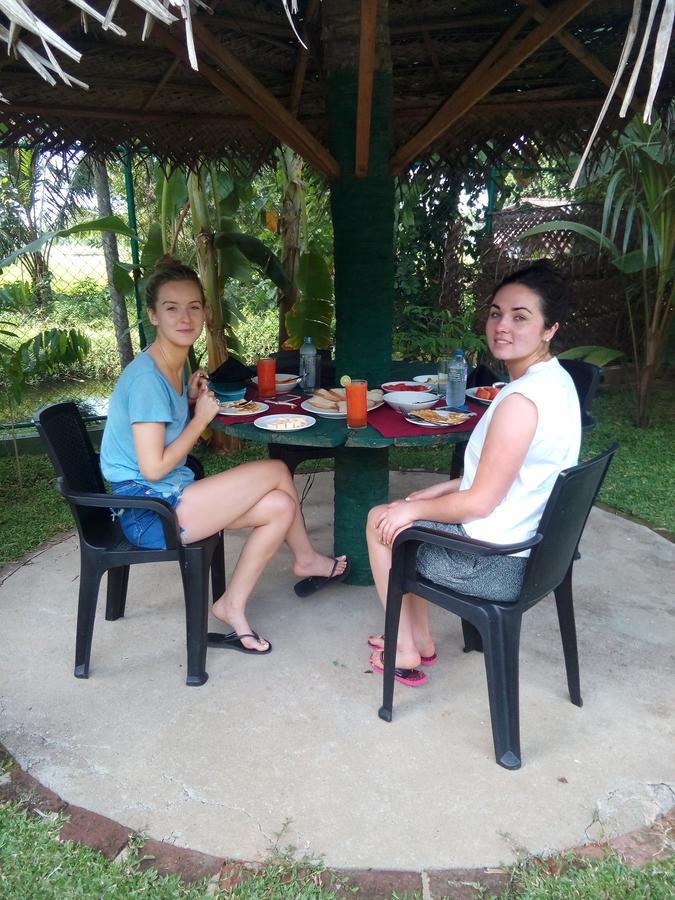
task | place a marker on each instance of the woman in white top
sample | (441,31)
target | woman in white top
(530,433)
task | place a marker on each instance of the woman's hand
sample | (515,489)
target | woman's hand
(393,518)
(207,408)
(198,384)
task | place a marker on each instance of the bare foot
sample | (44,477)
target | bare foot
(426,647)
(319,565)
(237,621)
(407,660)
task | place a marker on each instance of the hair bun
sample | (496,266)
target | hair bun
(166,262)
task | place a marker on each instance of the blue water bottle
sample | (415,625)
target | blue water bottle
(455,392)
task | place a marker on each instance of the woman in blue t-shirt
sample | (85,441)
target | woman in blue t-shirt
(155,418)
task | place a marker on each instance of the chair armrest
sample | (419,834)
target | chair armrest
(119,501)
(464,544)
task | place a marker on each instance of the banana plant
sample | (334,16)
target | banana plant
(638,237)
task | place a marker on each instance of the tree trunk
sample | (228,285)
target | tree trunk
(291,165)
(110,252)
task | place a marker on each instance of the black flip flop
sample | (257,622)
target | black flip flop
(232,641)
(314,583)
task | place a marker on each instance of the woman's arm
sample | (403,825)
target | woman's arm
(154,459)
(508,438)
(435,490)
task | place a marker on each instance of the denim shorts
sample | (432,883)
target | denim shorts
(143,527)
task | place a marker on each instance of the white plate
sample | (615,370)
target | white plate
(424,424)
(471,392)
(386,385)
(271,423)
(233,411)
(431,380)
(329,414)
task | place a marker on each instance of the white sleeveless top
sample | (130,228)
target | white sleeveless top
(554,447)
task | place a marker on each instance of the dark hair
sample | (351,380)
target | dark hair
(548,284)
(169,269)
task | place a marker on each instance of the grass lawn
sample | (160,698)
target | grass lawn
(34,865)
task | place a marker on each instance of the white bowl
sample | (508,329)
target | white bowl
(283,382)
(406,402)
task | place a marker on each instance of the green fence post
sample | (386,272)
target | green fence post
(135,258)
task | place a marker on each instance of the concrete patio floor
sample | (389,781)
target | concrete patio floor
(288,750)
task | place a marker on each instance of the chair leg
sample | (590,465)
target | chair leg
(472,638)
(391,623)
(90,580)
(116,599)
(501,642)
(457,460)
(218,569)
(195,572)
(565,606)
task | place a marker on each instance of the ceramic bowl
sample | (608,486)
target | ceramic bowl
(407,401)
(284,382)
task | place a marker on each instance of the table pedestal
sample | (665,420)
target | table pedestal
(361,482)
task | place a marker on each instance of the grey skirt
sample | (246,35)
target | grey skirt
(496,578)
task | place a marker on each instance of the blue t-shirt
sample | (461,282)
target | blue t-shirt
(143,394)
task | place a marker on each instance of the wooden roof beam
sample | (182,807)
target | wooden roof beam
(296,136)
(364,102)
(579,52)
(271,114)
(300,70)
(477,86)
(117,115)
(433,56)
(171,68)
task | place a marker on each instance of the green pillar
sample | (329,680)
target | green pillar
(362,208)
(363,229)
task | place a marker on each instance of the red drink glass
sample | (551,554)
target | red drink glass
(357,411)
(267,372)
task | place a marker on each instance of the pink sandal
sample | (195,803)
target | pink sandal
(411,677)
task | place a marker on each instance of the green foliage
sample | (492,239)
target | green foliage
(598,356)
(312,313)
(107,223)
(432,332)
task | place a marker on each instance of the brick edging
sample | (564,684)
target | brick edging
(111,839)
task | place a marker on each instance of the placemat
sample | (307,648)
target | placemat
(391,424)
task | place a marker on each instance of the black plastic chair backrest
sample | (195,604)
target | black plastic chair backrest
(72,454)
(69,447)
(562,524)
(586,378)
(482,376)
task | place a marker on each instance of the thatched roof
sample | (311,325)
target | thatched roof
(144,94)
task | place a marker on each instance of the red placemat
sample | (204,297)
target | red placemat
(391,424)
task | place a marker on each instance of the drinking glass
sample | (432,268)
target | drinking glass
(267,372)
(357,411)
(442,369)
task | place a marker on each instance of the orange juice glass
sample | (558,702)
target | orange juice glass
(357,411)
(267,373)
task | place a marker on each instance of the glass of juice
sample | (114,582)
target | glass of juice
(267,372)
(357,411)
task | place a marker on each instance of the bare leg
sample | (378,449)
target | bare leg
(414,622)
(260,496)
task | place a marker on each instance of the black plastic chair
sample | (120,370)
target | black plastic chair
(103,547)
(495,627)
(587,379)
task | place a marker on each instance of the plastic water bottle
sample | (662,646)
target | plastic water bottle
(308,366)
(455,392)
